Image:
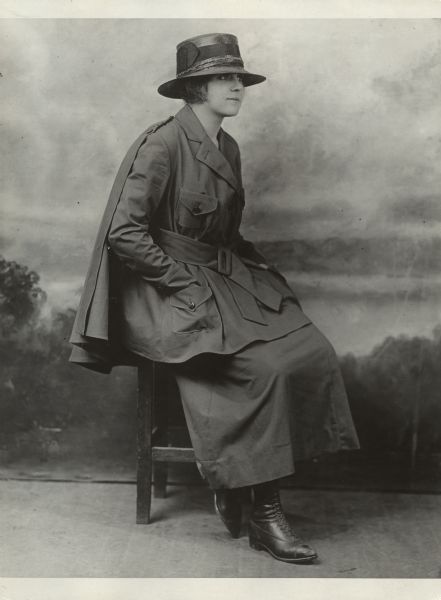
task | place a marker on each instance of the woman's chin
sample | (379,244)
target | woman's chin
(231,111)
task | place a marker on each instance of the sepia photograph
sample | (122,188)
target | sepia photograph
(220,299)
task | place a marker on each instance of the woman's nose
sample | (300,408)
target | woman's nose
(236,83)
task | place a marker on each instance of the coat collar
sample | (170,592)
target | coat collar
(207,152)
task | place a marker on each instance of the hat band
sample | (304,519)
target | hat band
(227,60)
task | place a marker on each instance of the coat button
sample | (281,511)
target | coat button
(191,305)
(196,209)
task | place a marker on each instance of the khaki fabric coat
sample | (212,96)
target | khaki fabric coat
(142,299)
(171,279)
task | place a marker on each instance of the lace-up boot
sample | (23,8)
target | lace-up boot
(269,528)
(228,506)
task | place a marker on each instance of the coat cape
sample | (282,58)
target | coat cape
(95,330)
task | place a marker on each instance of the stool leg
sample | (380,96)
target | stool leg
(160,480)
(144,443)
(160,412)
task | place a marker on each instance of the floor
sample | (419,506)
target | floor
(71,529)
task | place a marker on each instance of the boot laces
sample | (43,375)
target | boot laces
(276,511)
(272,509)
(282,520)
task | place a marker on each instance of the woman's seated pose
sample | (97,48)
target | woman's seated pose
(260,385)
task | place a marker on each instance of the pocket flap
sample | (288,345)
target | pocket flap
(198,204)
(191,297)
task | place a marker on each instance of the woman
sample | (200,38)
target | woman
(260,385)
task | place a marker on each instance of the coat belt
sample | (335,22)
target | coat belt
(243,286)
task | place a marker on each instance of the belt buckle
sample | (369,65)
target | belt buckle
(224,259)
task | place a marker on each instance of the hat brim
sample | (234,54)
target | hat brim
(173,88)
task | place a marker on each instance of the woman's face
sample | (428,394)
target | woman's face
(225,93)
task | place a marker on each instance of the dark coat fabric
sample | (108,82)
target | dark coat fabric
(167,305)
(253,414)
(94,334)
(172,280)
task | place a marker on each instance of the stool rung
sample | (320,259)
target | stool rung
(166,454)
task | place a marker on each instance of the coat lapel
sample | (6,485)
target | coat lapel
(207,152)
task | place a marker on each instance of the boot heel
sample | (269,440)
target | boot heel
(255,545)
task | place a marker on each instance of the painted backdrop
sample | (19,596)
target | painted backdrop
(344,196)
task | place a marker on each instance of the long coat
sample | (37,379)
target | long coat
(171,277)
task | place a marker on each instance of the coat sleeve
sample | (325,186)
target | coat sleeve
(129,236)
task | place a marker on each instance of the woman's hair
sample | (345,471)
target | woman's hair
(194,89)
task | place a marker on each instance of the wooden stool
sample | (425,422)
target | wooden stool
(155,390)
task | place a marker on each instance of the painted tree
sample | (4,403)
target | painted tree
(20,296)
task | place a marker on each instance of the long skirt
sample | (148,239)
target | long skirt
(252,414)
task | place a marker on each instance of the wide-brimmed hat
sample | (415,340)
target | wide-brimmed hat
(208,54)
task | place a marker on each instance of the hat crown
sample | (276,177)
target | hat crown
(205,50)
(207,39)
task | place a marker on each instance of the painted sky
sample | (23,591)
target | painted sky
(343,140)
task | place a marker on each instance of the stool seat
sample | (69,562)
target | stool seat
(172,454)
(154,452)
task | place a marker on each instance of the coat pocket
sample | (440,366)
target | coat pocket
(195,210)
(191,309)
